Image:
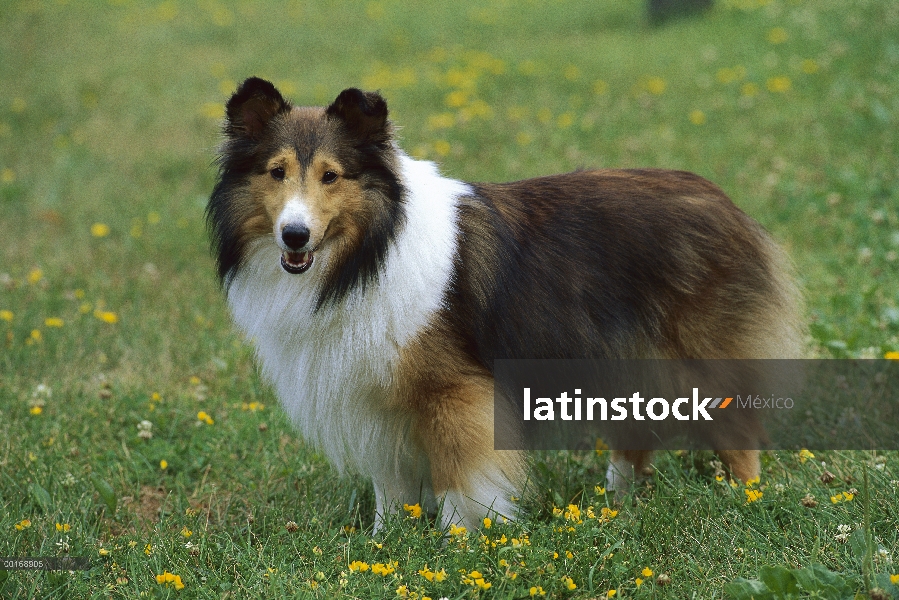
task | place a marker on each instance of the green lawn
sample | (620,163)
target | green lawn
(111,314)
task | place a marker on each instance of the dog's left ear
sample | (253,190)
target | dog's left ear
(363,113)
(252,106)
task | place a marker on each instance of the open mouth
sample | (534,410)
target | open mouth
(296,262)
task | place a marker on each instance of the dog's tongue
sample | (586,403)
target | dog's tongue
(297,258)
(296,262)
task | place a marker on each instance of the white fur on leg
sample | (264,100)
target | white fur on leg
(620,475)
(487,492)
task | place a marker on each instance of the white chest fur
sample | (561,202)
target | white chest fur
(332,368)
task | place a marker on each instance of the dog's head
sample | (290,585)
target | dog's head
(309,179)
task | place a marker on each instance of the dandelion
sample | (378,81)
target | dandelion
(53,322)
(656,85)
(809,66)
(749,89)
(36,335)
(779,85)
(6,315)
(99,230)
(697,117)
(777,35)
(204,417)
(414,510)
(804,455)
(638,582)
(23,524)
(893,355)
(36,410)
(34,275)
(646,572)
(212,110)
(63,527)
(441,121)
(170,579)
(106,316)
(442,147)
(357,566)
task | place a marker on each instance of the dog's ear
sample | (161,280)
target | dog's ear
(363,113)
(251,108)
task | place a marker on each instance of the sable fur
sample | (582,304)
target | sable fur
(382,352)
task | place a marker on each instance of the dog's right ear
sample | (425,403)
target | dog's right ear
(251,108)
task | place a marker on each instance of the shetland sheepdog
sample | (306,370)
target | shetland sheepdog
(378,292)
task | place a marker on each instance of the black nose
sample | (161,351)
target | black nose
(295,236)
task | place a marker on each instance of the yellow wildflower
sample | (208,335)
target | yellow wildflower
(163,464)
(804,455)
(23,524)
(459,531)
(889,355)
(148,549)
(170,578)
(103,552)
(414,510)
(107,316)
(536,590)
(6,315)
(487,522)
(752,495)
(656,85)
(36,410)
(611,593)
(646,572)
(35,275)
(697,117)
(600,491)
(568,582)
(53,322)
(777,35)
(779,84)
(36,335)
(186,532)
(63,527)
(894,579)
(358,565)
(99,230)
(204,417)
(384,569)
(638,581)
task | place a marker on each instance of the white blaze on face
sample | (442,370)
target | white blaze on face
(295,212)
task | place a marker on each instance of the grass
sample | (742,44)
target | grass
(108,121)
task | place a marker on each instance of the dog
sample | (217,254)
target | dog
(378,292)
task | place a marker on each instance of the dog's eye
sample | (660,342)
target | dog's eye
(277,173)
(329,177)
